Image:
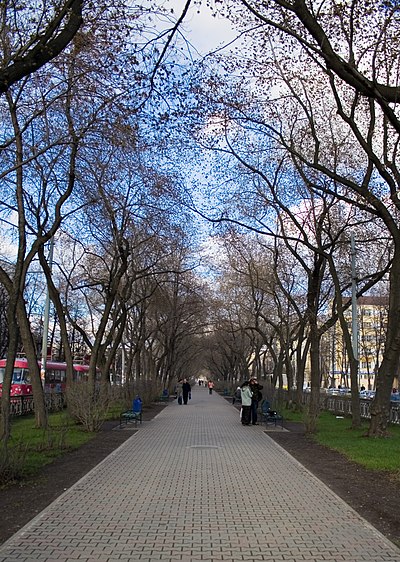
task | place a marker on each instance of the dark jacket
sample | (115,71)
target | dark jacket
(186,388)
(256,390)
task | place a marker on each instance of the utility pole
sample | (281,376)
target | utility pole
(46,319)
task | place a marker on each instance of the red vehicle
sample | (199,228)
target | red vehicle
(55,377)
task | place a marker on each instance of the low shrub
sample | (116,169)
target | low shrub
(87,408)
(12,462)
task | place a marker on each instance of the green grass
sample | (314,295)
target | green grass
(373,453)
(34,448)
(336,433)
(30,448)
(290,415)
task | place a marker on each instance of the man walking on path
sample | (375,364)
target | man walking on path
(186,388)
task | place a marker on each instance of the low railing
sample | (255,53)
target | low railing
(342,405)
(21,405)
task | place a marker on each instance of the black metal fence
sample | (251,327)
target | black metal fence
(22,405)
(341,406)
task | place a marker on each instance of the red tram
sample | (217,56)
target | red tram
(55,377)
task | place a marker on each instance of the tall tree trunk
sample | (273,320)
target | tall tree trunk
(13,331)
(380,407)
(302,350)
(55,299)
(313,294)
(30,350)
(314,405)
(351,353)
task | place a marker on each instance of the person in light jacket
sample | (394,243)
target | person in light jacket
(246,402)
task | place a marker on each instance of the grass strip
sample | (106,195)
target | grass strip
(30,448)
(373,453)
(336,433)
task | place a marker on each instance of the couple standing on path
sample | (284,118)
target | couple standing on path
(185,392)
(251,395)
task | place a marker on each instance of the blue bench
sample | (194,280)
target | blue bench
(270,416)
(130,416)
(164,396)
(133,415)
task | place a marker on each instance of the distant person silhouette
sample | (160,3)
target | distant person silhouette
(186,388)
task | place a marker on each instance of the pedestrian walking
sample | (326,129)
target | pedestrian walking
(246,402)
(255,399)
(237,395)
(186,391)
(179,392)
(210,387)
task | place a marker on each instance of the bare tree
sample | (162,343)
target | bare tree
(32,36)
(79,78)
(361,77)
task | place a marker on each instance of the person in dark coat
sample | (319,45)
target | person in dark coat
(256,398)
(186,388)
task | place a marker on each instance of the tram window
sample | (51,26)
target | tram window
(17,376)
(21,376)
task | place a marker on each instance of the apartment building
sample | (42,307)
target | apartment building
(371,329)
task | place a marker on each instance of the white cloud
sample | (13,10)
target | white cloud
(205,32)
(8,247)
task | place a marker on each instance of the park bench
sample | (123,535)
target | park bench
(134,415)
(270,416)
(164,396)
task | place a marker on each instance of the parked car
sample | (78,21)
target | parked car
(367,394)
(345,390)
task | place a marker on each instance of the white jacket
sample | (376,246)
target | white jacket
(246,396)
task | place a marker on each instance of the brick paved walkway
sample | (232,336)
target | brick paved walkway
(181,489)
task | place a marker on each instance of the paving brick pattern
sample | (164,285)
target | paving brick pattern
(194,484)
